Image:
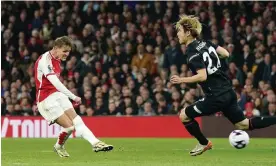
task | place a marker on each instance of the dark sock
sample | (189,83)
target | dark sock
(261,122)
(193,128)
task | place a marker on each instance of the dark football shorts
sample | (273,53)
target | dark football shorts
(226,103)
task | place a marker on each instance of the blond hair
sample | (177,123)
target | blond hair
(63,41)
(189,23)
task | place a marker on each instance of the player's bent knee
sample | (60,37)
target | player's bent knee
(64,121)
(71,113)
(183,117)
(243,125)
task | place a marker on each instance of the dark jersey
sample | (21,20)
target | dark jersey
(202,55)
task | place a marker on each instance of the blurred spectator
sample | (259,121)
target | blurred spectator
(250,111)
(147,110)
(163,107)
(99,107)
(173,56)
(129,111)
(247,58)
(236,73)
(142,60)
(82,110)
(89,111)
(158,59)
(37,22)
(272,109)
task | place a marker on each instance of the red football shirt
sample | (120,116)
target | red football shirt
(45,65)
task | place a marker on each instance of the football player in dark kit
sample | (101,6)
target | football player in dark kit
(203,59)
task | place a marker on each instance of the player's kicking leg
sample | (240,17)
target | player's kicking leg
(236,116)
(82,130)
(256,123)
(193,128)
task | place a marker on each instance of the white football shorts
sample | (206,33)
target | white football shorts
(54,106)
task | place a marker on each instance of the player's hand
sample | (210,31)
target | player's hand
(175,79)
(77,100)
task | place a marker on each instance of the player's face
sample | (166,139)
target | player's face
(63,52)
(181,35)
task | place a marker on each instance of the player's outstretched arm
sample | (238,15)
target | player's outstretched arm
(60,87)
(45,66)
(199,77)
(223,53)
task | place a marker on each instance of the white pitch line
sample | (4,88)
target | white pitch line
(46,151)
(19,163)
(44,163)
(43,151)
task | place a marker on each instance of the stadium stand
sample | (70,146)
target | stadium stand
(126,51)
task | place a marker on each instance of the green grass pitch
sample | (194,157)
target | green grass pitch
(137,152)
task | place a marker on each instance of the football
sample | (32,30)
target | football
(239,139)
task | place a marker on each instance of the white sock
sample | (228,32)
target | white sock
(83,130)
(63,136)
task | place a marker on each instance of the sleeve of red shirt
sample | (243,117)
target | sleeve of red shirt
(47,68)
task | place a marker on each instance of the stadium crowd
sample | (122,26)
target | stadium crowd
(125,53)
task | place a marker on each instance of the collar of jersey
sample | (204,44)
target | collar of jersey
(191,43)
